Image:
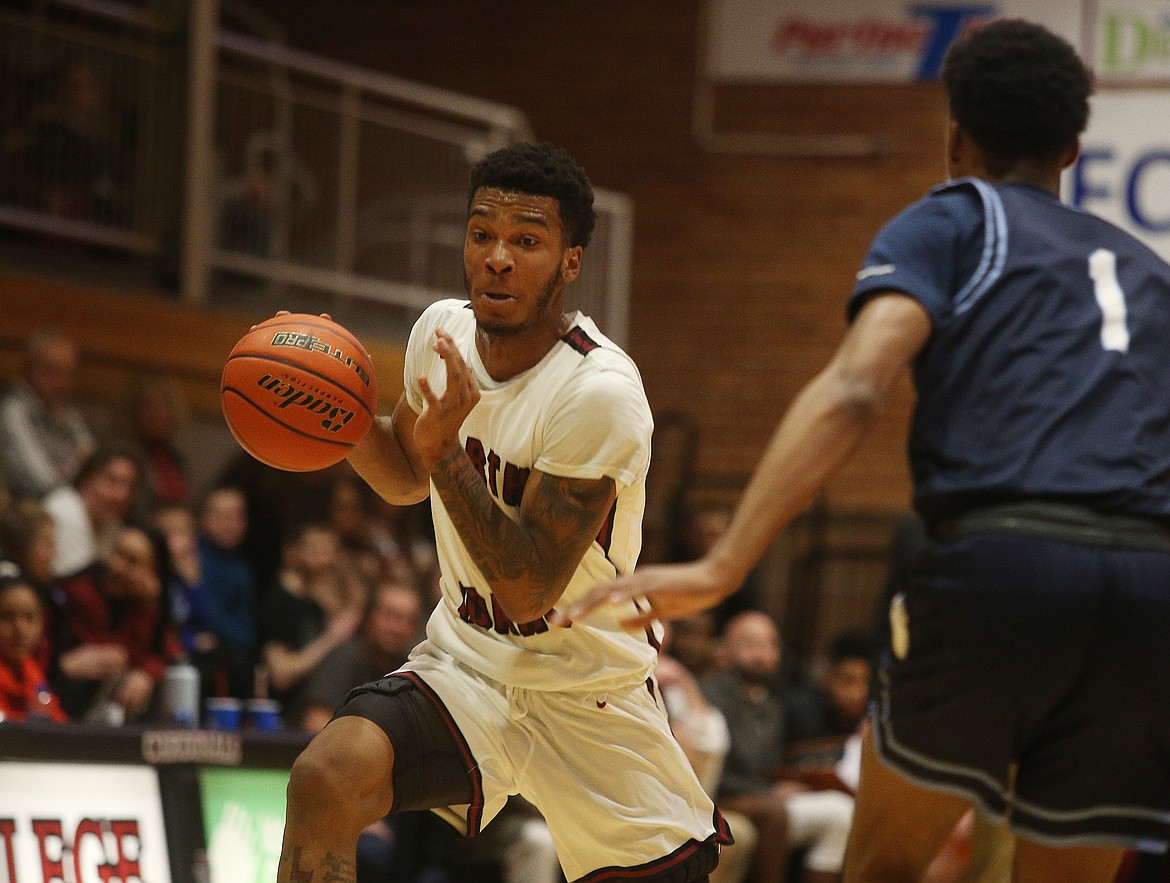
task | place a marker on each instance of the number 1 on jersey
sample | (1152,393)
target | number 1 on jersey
(1111,299)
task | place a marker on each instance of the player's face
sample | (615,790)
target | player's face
(515,262)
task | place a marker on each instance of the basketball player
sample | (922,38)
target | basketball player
(1030,661)
(531,432)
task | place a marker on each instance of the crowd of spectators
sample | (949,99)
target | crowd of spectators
(299,586)
(134,569)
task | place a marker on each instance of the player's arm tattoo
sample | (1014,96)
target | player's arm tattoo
(527,564)
(334,868)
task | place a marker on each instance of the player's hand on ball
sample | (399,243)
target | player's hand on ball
(436,432)
(675,591)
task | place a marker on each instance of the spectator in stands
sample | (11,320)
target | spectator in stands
(273,188)
(364,540)
(314,606)
(405,533)
(24,688)
(211,593)
(248,213)
(787,813)
(43,437)
(702,733)
(230,583)
(386,635)
(28,539)
(694,643)
(189,600)
(279,503)
(156,411)
(73,158)
(119,602)
(835,707)
(90,514)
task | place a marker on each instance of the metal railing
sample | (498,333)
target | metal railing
(249,163)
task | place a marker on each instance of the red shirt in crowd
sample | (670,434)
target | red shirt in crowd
(25,694)
(136,624)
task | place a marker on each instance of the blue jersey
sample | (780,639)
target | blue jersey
(1047,374)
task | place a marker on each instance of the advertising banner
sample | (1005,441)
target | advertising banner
(243,813)
(73,823)
(872,41)
(1130,41)
(1123,172)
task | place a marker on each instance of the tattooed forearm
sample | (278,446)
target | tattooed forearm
(527,564)
(500,553)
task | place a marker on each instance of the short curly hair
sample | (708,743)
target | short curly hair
(1019,91)
(541,169)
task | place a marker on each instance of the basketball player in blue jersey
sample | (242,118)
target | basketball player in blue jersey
(530,431)
(1030,661)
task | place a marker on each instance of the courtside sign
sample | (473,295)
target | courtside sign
(75,823)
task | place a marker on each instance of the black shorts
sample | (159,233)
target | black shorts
(1037,683)
(433,766)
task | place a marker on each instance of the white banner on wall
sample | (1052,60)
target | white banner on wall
(73,823)
(1130,40)
(1123,172)
(870,41)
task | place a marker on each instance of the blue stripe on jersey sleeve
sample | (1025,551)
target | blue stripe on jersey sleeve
(950,244)
(995,246)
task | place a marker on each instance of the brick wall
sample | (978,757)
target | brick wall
(742,264)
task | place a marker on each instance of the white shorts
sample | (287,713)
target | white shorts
(604,769)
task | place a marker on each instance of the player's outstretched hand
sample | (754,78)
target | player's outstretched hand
(436,432)
(675,591)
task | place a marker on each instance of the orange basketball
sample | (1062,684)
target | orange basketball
(299,392)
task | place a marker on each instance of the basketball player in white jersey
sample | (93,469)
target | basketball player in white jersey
(530,431)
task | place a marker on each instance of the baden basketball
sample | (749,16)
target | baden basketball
(298,392)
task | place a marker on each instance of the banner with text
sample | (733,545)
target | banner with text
(871,41)
(73,823)
(1123,172)
(1130,41)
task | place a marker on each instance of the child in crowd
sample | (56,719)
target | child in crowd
(24,689)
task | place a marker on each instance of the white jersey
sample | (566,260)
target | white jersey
(581,412)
